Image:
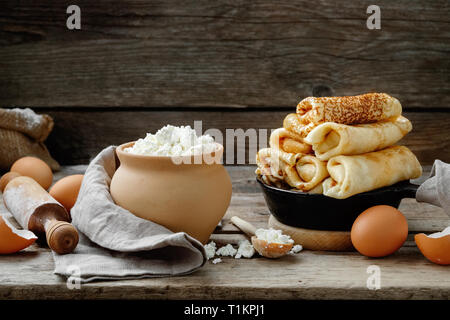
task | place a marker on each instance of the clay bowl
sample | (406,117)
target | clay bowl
(319,212)
(184,194)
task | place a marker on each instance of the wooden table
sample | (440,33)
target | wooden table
(138,65)
(306,275)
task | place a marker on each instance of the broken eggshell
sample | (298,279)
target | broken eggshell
(13,240)
(435,247)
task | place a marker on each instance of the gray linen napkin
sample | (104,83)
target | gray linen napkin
(115,244)
(436,189)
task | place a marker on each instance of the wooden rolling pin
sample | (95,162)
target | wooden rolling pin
(36,210)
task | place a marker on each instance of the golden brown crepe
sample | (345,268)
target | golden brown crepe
(264,163)
(365,108)
(287,141)
(331,139)
(271,180)
(350,175)
(303,172)
(292,123)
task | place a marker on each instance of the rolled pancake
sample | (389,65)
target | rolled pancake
(307,173)
(271,180)
(287,141)
(331,139)
(263,161)
(273,161)
(350,175)
(365,108)
(303,172)
(292,123)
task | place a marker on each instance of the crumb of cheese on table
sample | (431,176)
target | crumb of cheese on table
(210,249)
(226,251)
(245,250)
(296,249)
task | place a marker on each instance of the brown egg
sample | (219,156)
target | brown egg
(435,247)
(379,231)
(34,168)
(65,191)
(6,178)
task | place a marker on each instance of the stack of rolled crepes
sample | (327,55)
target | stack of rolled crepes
(340,146)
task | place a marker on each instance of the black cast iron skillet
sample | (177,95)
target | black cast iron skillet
(319,212)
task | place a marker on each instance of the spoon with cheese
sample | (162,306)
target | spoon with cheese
(269,243)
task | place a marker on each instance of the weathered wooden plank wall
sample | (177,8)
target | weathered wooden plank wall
(80,135)
(228,53)
(137,65)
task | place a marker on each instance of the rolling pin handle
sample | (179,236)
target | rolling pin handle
(62,237)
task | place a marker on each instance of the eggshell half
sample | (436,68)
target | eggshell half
(66,190)
(435,247)
(13,240)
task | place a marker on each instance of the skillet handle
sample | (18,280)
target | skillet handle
(408,190)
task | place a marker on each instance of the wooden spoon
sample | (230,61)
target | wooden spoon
(265,248)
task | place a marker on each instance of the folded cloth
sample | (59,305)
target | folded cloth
(436,189)
(115,244)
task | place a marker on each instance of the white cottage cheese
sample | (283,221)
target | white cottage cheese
(210,249)
(173,141)
(245,250)
(274,236)
(296,249)
(226,251)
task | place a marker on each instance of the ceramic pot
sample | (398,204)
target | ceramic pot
(191,197)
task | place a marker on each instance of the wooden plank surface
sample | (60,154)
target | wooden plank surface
(78,135)
(222,53)
(307,275)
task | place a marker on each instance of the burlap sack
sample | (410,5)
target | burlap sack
(22,133)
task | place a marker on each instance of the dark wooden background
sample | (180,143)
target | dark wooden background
(137,65)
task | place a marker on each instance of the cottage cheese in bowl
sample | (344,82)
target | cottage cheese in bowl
(175,179)
(173,141)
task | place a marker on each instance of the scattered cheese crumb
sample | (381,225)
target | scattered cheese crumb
(226,251)
(245,250)
(210,249)
(296,249)
(273,236)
